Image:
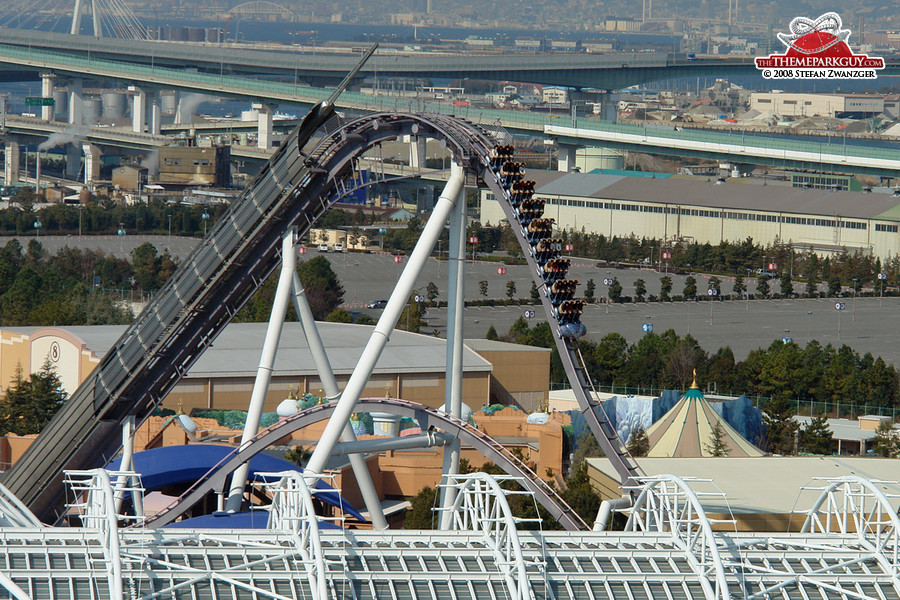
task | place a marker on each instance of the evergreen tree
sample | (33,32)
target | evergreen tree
(615,290)
(535,295)
(586,447)
(834,287)
(716,445)
(665,288)
(640,289)
(580,495)
(638,444)
(787,286)
(780,426)
(816,437)
(762,286)
(510,289)
(483,287)
(690,288)
(885,442)
(421,514)
(339,316)
(739,288)
(491,334)
(29,404)
(323,290)
(413,316)
(431,291)
(812,287)
(590,290)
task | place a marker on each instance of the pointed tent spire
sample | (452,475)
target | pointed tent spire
(694,385)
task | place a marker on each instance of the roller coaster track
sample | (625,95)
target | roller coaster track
(426,417)
(301,181)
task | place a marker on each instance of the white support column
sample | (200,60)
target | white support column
(155,114)
(264,127)
(330,385)
(91,163)
(98,27)
(456,304)
(266,362)
(76,102)
(11,163)
(566,158)
(138,109)
(380,336)
(47,92)
(76,19)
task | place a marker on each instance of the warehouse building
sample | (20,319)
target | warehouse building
(674,210)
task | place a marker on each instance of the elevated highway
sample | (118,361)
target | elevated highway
(819,154)
(603,71)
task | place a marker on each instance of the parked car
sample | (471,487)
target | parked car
(377,304)
(322,247)
(339,247)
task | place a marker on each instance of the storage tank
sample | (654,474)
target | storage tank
(91,108)
(168,100)
(589,159)
(114,105)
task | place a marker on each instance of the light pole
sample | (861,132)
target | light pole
(121,234)
(37,227)
(205,217)
(169,238)
(712,293)
(808,326)
(853,310)
(881,278)
(80,210)
(607,281)
(839,306)
(651,257)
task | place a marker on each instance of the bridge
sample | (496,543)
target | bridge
(821,154)
(315,66)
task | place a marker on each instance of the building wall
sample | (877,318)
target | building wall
(68,355)
(710,225)
(522,375)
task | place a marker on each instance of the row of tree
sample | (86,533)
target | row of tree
(782,371)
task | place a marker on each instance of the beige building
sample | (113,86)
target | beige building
(676,209)
(817,105)
(192,165)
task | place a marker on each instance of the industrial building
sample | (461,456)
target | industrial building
(788,104)
(712,212)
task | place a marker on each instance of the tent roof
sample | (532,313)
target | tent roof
(686,431)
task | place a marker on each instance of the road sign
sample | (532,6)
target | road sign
(121,231)
(647,327)
(882,276)
(96,281)
(39,101)
(666,255)
(772,266)
(303,249)
(473,239)
(529,314)
(712,292)
(37,224)
(398,259)
(501,270)
(839,306)
(569,247)
(382,230)
(787,340)
(607,280)
(419,298)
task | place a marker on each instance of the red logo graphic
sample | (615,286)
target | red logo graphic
(818,50)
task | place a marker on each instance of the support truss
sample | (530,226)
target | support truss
(481,505)
(666,503)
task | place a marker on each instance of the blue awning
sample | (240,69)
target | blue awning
(254,519)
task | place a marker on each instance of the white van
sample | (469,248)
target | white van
(339,247)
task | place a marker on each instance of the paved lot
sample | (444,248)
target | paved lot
(866,324)
(118,246)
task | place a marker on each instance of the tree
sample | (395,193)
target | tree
(780,426)
(29,404)
(413,316)
(716,446)
(885,442)
(590,290)
(491,334)
(535,295)
(816,437)
(690,288)
(323,290)
(665,288)
(339,316)
(421,512)
(298,455)
(638,444)
(812,288)
(483,287)
(715,284)
(739,288)
(431,291)
(834,287)
(510,289)
(787,286)
(640,289)
(615,290)
(586,447)
(762,286)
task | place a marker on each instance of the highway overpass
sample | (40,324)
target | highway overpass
(601,71)
(815,154)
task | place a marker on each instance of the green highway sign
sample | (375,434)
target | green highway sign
(39,101)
